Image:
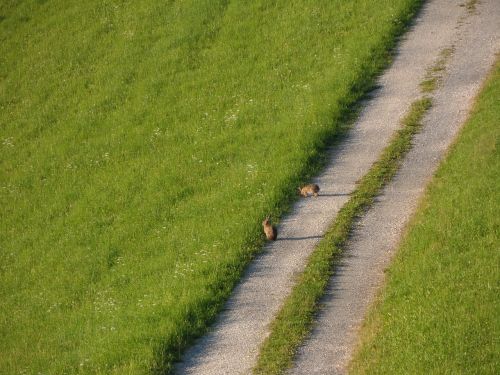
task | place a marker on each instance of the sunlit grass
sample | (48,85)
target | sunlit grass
(141,144)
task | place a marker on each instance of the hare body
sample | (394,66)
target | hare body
(269,230)
(309,189)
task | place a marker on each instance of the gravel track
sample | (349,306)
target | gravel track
(231,346)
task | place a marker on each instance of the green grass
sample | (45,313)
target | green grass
(439,312)
(141,144)
(294,320)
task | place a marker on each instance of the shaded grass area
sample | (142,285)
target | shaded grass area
(439,312)
(141,144)
(294,320)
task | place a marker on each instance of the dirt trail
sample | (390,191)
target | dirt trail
(232,345)
(328,350)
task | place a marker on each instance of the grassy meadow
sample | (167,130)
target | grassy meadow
(439,312)
(141,144)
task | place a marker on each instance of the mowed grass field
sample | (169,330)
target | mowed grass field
(439,313)
(141,145)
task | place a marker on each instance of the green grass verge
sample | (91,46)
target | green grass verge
(141,144)
(438,313)
(293,321)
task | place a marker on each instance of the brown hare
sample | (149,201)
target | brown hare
(309,189)
(270,230)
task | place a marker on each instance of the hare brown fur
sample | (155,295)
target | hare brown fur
(270,230)
(309,189)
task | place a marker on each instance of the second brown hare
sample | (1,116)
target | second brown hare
(270,230)
(309,189)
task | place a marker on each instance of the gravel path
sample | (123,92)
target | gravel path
(232,345)
(357,279)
